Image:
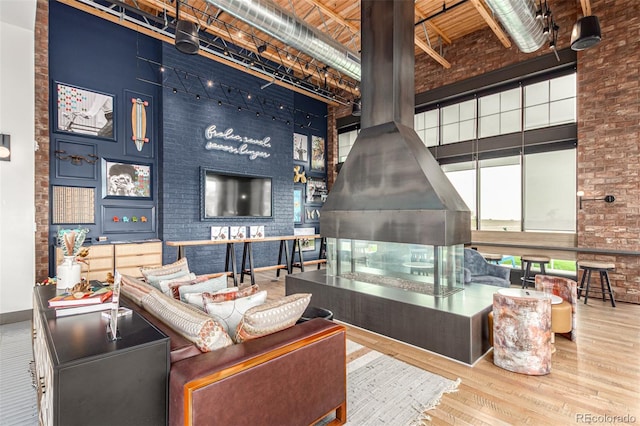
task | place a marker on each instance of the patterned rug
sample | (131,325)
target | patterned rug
(382,390)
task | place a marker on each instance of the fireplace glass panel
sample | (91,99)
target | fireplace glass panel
(434,270)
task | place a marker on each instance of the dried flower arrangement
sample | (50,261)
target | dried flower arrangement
(71,240)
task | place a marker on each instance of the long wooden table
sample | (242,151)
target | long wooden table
(247,253)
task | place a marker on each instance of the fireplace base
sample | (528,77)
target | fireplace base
(455,326)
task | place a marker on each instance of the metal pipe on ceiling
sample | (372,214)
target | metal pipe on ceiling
(519,19)
(271,19)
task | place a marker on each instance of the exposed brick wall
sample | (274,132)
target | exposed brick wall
(608,126)
(609,143)
(42,138)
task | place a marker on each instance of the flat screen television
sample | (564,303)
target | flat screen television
(233,195)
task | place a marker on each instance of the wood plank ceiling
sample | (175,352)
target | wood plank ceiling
(438,24)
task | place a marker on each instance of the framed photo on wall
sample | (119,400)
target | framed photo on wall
(300,147)
(297,204)
(84,112)
(306,244)
(317,154)
(126,180)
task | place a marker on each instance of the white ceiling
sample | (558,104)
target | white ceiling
(21,13)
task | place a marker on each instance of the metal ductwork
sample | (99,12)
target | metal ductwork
(518,17)
(269,18)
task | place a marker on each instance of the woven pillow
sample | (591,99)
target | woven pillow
(212,285)
(271,317)
(164,270)
(165,284)
(194,325)
(135,289)
(232,293)
(229,313)
(196,299)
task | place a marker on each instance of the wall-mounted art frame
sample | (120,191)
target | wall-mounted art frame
(298,197)
(122,179)
(316,190)
(317,154)
(138,119)
(75,160)
(84,112)
(300,147)
(312,214)
(306,244)
(70,204)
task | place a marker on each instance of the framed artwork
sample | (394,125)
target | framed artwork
(126,180)
(219,233)
(312,214)
(128,219)
(306,244)
(76,160)
(237,232)
(297,204)
(300,147)
(317,154)
(85,112)
(316,190)
(72,205)
(256,231)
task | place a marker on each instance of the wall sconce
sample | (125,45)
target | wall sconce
(5,147)
(606,198)
(76,160)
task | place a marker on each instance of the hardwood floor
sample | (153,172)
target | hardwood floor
(592,380)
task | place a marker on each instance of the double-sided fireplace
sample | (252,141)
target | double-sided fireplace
(395,225)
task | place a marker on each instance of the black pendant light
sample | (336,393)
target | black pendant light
(187,40)
(586,33)
(356,109)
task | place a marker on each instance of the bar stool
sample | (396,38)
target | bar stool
(603,268)
(492,258)
(527,261)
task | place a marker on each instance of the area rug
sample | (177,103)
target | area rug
(382,390)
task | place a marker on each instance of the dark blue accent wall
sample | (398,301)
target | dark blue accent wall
(185,120)
(91,53)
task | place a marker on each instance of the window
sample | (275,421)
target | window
(463,178)
(427,127)
(550,102)
(500,113)
(458,122)
(550,191)
(500,194)
(345,142)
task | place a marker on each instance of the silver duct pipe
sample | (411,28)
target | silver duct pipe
(519,19)
(269,18)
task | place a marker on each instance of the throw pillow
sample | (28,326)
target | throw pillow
(135,289)
(232,293)
(170,269)
(197,300)
(194,325)
(165,284)
(174,285)
(272,316)
(154,280)
(213,284)
(229,313)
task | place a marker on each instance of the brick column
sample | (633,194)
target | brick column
(41,201)
(609,143)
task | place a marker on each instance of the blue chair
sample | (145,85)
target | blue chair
(479,271)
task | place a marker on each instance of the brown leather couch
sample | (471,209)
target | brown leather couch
(293,377)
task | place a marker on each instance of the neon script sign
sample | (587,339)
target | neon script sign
(232,143)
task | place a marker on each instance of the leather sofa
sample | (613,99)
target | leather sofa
(296,376)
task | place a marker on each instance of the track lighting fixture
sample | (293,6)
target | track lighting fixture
(174,90)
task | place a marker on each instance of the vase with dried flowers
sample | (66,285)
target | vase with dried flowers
(70,241)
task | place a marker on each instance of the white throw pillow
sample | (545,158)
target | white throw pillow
(229,313)
(154,280)
(212,285)
(195,299)
(164,283)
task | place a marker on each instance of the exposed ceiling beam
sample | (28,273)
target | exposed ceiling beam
(497,30)
(586,7)
(433,27)
(435,55)
(142,30)
(241,42)
(334,15)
